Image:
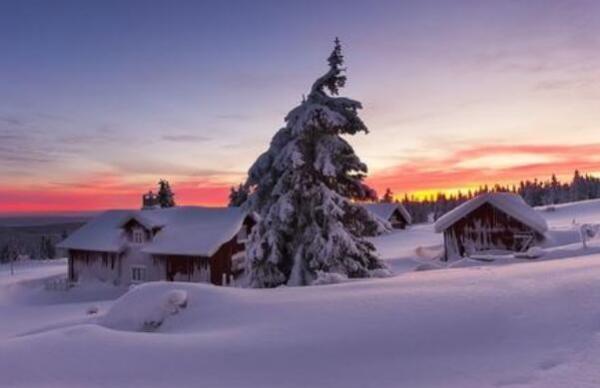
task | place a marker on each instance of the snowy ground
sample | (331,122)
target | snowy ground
(535,324)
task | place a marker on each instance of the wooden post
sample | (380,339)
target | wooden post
(583,234)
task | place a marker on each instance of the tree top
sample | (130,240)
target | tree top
(333,79)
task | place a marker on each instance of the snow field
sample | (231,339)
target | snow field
(536,324)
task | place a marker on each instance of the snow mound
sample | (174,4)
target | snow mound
(380,273)
(324,278)
(466,262)
(427,267)
(532,253)
(145,308)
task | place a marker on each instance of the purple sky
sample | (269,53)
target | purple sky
(100,99)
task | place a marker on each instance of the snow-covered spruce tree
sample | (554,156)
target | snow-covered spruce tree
(302,187)
(166,197)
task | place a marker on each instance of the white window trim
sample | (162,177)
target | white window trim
(143,273)
(138,233)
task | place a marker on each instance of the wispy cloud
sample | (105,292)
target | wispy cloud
(233,116)
(12,120)
(186,138)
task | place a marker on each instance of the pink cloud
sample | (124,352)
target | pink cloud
(447,173)
(104,191)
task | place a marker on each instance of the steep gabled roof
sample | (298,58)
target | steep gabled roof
(385,210)
(511,204)
(185,230)
(147,222)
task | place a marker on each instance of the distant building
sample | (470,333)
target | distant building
(185,243)
(150,201)
(394,213)
(488,222)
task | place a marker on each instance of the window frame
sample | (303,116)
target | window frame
(135,233)
(142,273)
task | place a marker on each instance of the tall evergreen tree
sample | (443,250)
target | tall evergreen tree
(301,188)
(166,197)
(47,248)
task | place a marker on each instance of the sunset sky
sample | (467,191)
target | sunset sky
(98,100)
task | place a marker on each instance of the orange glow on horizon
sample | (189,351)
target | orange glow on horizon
(421,178)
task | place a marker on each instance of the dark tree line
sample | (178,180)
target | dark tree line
(16,245)
(534,192)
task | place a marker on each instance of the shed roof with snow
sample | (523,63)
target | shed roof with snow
(385,210)
(184,230)
(509,203)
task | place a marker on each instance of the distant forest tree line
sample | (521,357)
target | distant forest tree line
(33,243)
(534,192)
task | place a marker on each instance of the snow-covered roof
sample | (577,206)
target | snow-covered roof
(185,230)
(385,210)
(198,231)
(511,204)
(102,233)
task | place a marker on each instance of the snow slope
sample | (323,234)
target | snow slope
(405,250)
(564,214)
(468,327)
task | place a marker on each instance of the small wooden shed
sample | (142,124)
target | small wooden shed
(394,213)
(491,222)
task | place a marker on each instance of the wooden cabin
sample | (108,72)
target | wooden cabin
(491,222)
(187,243)
(394,213)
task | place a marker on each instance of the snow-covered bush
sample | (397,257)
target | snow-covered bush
(145,308)
(380,273)
(329,278)
(174,300)
(302,189)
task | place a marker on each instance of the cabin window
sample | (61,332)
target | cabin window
(138,273)
(138,236)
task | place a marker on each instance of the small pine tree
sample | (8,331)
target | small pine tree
(238,196)
(302,187)
(47,248)
(43,247)
(4,255)
(166,197)
(388,197)
(10,253)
